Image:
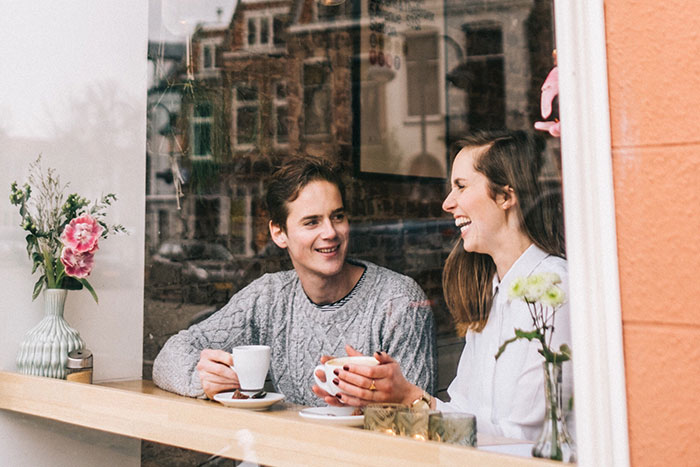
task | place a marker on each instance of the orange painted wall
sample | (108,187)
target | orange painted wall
(654,82)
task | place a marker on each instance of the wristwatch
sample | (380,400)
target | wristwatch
(423,402)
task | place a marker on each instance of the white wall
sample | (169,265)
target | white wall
(73,88)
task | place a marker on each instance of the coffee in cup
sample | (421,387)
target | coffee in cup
(338,363)
(251,362)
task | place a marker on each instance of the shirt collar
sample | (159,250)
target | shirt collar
(523,266)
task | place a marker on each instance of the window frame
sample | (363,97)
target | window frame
(236,104)
(278,103)
(267,15)
(195,122)
(596,323)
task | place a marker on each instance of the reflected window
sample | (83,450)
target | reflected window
(317,94)
(206,218)
(201,129)
(246,117)
(281,113)
(334,12)
(485,76)
(208,56)
(279,23)
(422,74)
(266,30)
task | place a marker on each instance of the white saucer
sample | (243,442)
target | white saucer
(333,415)
(227,399)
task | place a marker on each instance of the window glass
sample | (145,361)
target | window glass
(252,31)
(381,87)
(264,31)
(278,26)
(422,74)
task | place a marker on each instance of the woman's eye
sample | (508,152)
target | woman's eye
(339,217)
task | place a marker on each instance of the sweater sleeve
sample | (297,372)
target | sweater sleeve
(409,336)
(239,322)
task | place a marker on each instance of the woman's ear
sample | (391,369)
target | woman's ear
(279,236)
(507,199)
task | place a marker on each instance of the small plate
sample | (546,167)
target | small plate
(227,399)
(333,415)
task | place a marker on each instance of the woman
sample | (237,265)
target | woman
(509,227)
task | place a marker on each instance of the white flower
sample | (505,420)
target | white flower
(553,296)
(517,289)
(535,287)
(551,278)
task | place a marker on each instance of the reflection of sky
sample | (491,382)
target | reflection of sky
(40,72)
(171,20)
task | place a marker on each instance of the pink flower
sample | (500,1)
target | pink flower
(78,265)
(550,90)
(81,234)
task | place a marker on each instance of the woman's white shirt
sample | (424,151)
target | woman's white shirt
(507,395)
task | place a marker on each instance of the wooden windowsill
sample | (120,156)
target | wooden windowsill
(279,436)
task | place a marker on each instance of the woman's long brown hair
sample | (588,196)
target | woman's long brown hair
(510,159)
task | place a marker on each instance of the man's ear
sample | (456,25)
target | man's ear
(278,235)
(507,199)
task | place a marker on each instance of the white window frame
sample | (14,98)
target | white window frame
(211,45)
(596,324)
(259,16)
(237,104)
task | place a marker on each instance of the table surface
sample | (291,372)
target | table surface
(278,436)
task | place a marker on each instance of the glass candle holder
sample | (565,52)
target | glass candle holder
(412,424)
(453,427)
(380,417)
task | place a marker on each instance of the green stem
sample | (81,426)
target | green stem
(48,266)
(552,385)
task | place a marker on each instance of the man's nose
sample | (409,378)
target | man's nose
(328,230)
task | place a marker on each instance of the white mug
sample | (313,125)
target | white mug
(337,363)
(251,362)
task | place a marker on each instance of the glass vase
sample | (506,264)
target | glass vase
(44,350)
(554,442)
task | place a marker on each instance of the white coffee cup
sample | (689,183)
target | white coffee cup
(251,362)
(338,363)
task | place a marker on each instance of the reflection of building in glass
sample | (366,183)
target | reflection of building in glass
(382,87)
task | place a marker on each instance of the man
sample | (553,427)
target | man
(324,303)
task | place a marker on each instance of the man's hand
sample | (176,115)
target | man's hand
(215,373)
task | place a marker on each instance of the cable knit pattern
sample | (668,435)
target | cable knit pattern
(389,311)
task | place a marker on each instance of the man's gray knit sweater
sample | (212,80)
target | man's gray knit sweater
(387,311)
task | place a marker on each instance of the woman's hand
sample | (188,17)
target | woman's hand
(331,400)
(362,385)
(215,373)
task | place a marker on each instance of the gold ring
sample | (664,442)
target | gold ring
(372,387)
